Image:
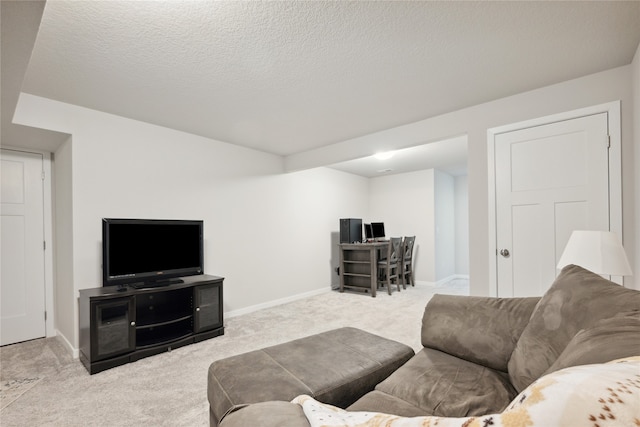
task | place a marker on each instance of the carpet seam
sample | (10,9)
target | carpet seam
(21,394)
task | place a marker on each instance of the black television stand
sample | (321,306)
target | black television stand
(119,325)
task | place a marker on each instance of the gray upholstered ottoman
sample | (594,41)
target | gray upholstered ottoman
(335,367)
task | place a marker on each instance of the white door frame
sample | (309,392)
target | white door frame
(615,171)
(47,186)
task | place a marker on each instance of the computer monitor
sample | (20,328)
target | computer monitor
(377,230)
(368,233)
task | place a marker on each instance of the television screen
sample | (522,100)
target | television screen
(377,229)
(138,250)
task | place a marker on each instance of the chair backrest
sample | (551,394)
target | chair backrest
(408,248)
(395,249)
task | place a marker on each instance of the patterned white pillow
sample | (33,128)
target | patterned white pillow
(597,395)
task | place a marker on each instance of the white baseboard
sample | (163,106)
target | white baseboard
(450,278)
(75,353)
(443,281)
(268,304)
(423,283)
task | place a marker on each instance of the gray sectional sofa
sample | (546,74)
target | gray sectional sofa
(480,352)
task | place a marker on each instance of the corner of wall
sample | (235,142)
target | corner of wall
(64,300)
(75,353)
(635,85)
(445,228)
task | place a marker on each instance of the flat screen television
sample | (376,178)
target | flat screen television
(377,229)
(150,252)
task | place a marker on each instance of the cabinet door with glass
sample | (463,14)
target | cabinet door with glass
(113,327)
(207,306)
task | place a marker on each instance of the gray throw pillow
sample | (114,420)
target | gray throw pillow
(482,330)
(577,300)
(609,339)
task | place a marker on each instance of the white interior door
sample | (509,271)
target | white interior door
(22,286)
(550,180)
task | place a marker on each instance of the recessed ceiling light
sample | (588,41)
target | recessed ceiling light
(384,155)
(385,170)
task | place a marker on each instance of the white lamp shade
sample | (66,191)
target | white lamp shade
(598,251)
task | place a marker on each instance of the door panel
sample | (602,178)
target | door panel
(22,235)
(207,307)
(527,244)
(550,180)
(14,300)
(569,216)
(562,158)
(113,332)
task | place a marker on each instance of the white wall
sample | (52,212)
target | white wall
(125,168)
(64,292)
(636,149)
(595,89)
(444,224)
(404,202)
(268,233)
(462,225)
(422,204)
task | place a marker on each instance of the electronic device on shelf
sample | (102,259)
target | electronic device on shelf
(144,253)
(350,230)
(368,233)
(377,230)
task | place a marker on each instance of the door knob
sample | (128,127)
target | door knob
(505,253)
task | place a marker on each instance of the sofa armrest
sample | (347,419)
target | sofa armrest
(482,330)
(266,414)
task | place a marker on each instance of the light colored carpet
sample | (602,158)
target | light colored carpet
(42,385)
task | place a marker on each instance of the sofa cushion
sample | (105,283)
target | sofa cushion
(387,403)
(483,330)
(445,385)
(609,339)
(591,395)
(577,300)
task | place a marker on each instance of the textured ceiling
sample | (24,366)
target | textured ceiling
(19,26)
(286,77)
